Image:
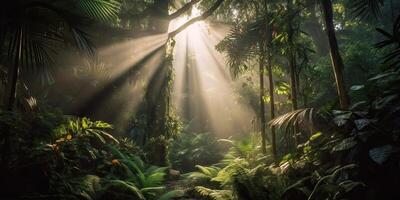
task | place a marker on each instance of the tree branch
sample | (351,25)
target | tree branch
(204,16)
(183,9)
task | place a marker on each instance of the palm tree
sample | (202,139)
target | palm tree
(241,45)
(31,29)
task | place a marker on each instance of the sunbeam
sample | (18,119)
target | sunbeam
(203,90)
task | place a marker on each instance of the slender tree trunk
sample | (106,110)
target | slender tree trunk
(292,58)
(292,65)
(272,102)
(337,61)
(262,105)
(268,31)
(293,87)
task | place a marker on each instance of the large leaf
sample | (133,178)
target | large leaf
(294,118)
(345,144)
(382,154)
(341,117)
(105,10)
(365,8)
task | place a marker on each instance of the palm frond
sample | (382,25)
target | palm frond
(241,45)
(391,39)
(47,23)
(105,10)
(294,118)
(366,8)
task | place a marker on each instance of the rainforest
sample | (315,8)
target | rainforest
(200,99)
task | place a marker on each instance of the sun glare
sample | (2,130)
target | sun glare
(203,92)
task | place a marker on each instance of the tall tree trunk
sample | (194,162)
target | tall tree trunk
(292,65)
(337,61)
(272,101)
(262,105)
(156,92)
(268,31)
(292,57)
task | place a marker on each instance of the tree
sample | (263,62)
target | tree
(337,62)
(268,31)
(246,41)
(262,95)
(157,95)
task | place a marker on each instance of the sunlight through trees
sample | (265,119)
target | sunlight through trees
(200,99)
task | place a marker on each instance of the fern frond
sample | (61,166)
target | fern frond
(214,194)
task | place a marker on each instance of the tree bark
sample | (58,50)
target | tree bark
(292,58)
(268,31)
(336,59)
(292,66)
(272,103)
(262,105)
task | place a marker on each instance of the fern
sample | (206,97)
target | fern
(214,194)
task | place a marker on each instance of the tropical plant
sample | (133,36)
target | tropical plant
(391,39)
(191,149)
(31,30)
(76,158)
(241,45)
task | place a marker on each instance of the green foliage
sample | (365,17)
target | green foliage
(214,194)
(44,24)
(391,39)
(240,46)
(240,175)
(82,160)
(191,149)
(365,8)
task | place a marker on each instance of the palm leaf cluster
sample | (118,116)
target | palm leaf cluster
(241,45)
(294,118)
(366,8)
(31,30)
(391,39)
